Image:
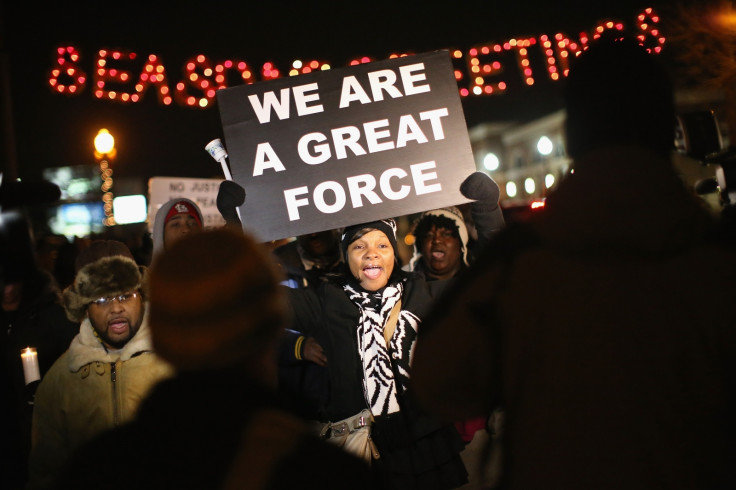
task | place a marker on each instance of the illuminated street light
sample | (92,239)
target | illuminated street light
(104,144)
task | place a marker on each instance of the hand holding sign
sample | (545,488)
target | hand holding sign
(486,212)
(229,197)
(217,151)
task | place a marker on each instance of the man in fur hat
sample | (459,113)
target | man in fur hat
(109,366)
(218,423)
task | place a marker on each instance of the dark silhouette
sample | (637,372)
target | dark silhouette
(31,315)
(600,325)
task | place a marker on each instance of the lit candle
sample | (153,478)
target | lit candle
(30,364)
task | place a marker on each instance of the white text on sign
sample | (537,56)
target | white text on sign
(362,186)
(380,82)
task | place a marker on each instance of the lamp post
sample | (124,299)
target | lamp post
(104,154)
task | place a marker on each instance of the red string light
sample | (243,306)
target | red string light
(483,70)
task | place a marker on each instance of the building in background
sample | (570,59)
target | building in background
(528,159)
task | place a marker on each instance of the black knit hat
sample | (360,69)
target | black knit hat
(353,232)
(105,268)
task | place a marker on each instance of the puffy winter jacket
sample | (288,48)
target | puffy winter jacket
(87,391)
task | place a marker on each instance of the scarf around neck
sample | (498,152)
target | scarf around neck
(380,386)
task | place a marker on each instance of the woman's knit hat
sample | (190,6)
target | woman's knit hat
(215,300)
(104,268)
(353,232)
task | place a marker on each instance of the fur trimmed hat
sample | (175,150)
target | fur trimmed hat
(105,268)
(215,300)
(453,217)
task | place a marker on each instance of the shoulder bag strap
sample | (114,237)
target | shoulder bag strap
(388,329)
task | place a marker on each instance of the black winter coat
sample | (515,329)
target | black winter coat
(417,451)
(207,430)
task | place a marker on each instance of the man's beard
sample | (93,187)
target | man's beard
(117,343)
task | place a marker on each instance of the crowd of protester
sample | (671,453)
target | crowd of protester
(198,358)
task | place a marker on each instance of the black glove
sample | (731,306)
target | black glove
(230,195)
(486,212)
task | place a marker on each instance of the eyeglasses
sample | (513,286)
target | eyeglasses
(122,298)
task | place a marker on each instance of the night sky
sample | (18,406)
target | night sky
(155,140)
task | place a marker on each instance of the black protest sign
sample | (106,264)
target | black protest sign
(337,147)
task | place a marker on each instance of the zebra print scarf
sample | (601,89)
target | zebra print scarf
(380,384)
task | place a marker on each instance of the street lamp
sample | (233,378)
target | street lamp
(104,154)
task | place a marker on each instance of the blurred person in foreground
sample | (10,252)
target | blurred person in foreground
(109,366)
(305,262)
(217,315)
(600,326)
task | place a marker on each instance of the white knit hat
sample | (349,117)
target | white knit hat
(456,216)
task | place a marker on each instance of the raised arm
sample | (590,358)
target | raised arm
(230,195)
(486,211)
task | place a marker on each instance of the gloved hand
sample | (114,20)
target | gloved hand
(486,212)
(230,195)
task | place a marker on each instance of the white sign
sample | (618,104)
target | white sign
(201,191)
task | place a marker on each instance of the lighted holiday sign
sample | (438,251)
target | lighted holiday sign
(486,69)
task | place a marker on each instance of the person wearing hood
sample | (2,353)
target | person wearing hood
(109,366)
(175,218)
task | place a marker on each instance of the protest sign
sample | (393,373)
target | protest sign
(337,147)
(201,191)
